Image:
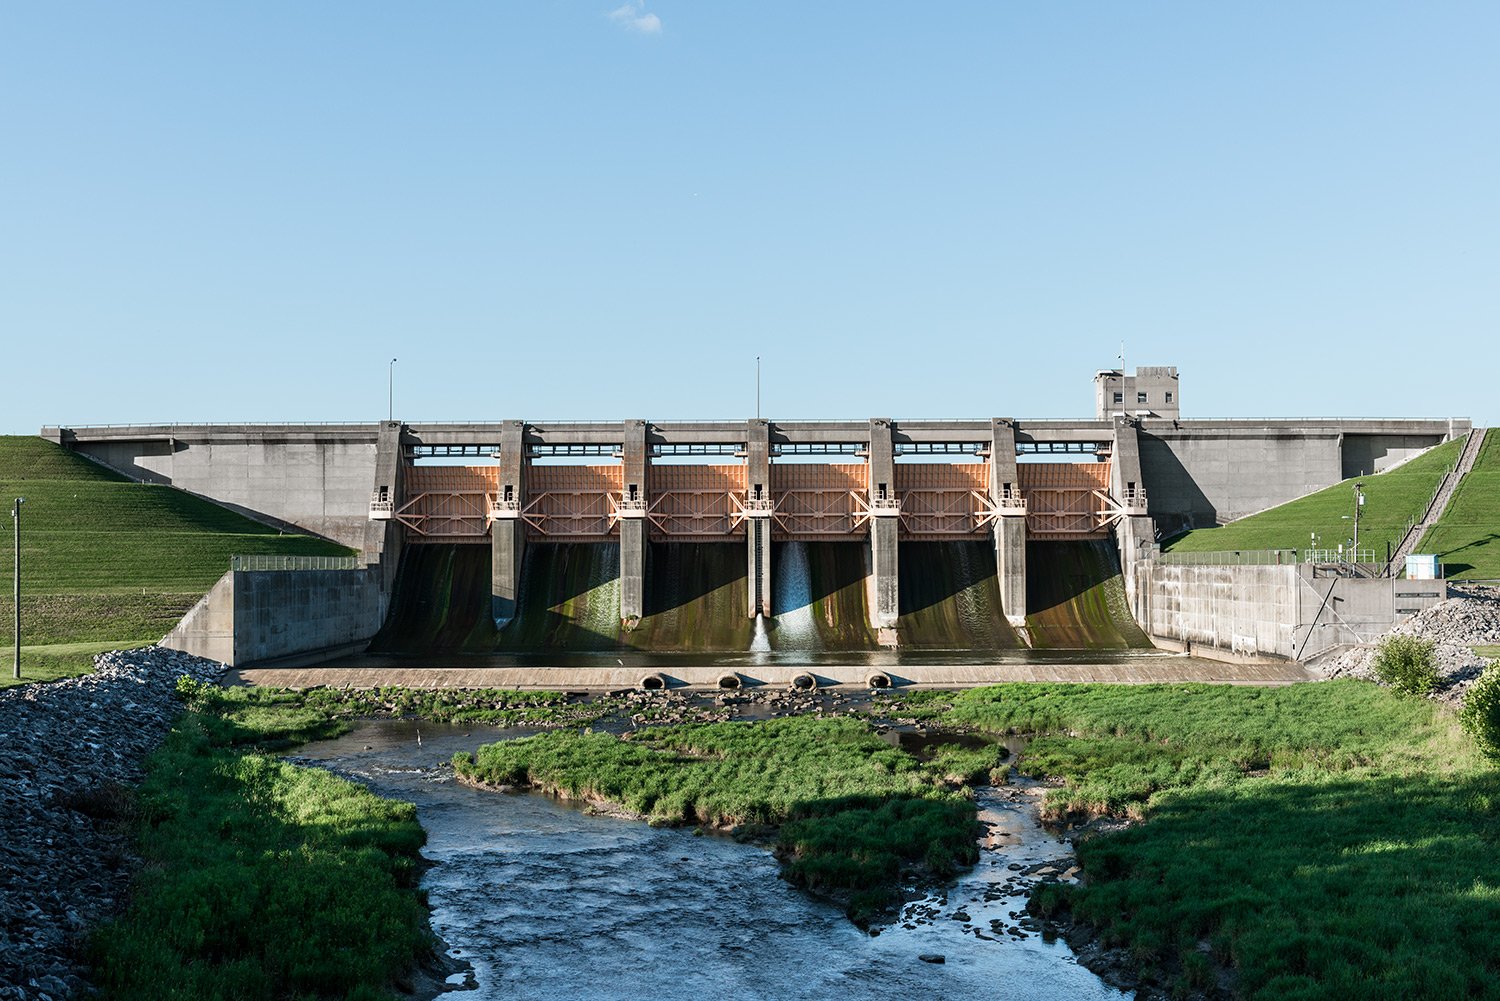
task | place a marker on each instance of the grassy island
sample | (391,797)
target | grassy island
(851,815)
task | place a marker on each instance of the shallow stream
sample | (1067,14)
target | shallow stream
(543,900)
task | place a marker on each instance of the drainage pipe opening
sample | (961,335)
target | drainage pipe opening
(729,682)
(878,680)
(804,683)
(652,683)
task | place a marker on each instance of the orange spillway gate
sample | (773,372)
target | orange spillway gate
(816,502)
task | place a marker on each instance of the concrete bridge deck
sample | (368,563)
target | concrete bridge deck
(1164,670)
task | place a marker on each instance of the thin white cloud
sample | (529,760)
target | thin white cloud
(633,16)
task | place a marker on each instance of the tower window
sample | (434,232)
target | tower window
(1140,397)
(1119,397)
(1169,397)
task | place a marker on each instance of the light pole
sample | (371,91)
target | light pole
(390,391)
(757,387)
(15,514)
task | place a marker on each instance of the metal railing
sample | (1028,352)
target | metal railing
(272,561)
(1268,557)
(1342,556)
(1245,557)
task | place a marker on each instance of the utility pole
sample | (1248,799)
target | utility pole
(15,514)
(1359,502)
(390,391)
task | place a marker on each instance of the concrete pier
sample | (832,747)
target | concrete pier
(383,533)
(885,524)
(1134,531)
(632,516)
(507,529)
(758,515)
(1010,521)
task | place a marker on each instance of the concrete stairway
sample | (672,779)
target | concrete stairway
(1440,499)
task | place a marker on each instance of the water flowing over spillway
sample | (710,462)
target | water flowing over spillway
(697,599)
(792,600)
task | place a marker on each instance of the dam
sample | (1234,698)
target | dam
(880,533)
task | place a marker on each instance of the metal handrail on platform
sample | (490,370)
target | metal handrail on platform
(272,561)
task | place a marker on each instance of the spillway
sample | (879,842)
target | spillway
(697,594)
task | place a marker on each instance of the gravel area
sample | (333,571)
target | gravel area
(70,751)
(1469,617)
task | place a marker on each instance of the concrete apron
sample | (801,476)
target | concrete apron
(1167,671)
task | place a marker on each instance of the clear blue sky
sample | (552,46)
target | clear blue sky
(573,209)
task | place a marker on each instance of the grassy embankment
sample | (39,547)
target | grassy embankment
(1467,537)
(265,880)
(262,880)
(1323,841)
(107,562)
(854,814)
(1390,500)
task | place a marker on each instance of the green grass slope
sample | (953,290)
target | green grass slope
(1467,536)
(1390,499)
(107,561)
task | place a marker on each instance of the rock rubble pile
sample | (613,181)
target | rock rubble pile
(70,751)
(1469,617)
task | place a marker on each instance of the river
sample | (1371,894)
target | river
(543,900)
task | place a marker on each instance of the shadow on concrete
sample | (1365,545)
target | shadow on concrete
(1176,502)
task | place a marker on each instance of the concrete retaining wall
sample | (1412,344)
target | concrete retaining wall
(316,480)
(1201,478)
(284,617)
(1228,612)
(1202,474)
(1250,612)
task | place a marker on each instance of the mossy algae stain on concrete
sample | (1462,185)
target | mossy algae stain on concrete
(697,596)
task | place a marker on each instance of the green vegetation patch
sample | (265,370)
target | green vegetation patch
(495,706)
(1467,536)
(262,880)
(1391,499)
(855,814)
(1328,840)
(108,560)
(1117,746)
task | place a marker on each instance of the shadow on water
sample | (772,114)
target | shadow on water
(950,598)
(1075,597)
(818,597)
(697,600)
(679,573)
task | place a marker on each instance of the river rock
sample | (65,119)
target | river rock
(70,751)
(1468,617)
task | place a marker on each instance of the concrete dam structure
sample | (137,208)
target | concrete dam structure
(636,534)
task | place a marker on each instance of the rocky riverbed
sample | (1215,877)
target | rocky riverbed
(1469,617)
(70,753)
